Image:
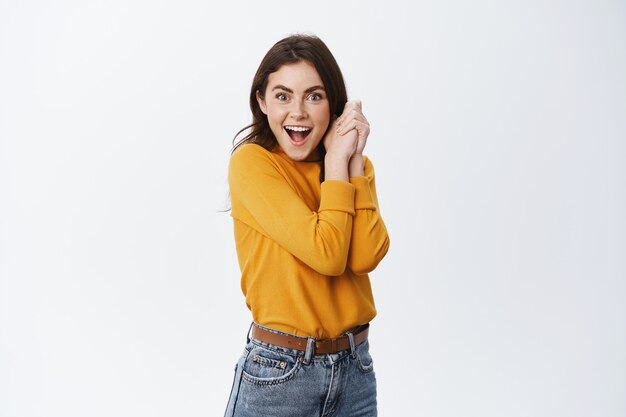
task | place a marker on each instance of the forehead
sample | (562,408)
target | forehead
(297,76)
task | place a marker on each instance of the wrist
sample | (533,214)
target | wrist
(355,166)
(337,158)
(336,167)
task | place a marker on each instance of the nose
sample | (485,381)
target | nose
(298,112)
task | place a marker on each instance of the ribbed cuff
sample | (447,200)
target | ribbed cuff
(363,196)
(337,195)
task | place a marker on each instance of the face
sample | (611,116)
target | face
(297,109)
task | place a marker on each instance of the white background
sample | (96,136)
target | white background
(499,141)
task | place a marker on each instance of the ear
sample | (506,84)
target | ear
(261,102)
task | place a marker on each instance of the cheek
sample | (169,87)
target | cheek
(322,116)
(275,115)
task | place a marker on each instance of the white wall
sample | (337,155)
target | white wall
(498,135)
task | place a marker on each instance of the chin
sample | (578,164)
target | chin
(298,155)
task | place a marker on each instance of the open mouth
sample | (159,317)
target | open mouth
(298,134)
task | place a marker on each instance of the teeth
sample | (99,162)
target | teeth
(298,128)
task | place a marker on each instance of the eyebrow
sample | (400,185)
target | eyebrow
(308,90)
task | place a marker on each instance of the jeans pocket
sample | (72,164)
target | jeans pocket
(364,360)
(268,367)
(234,390)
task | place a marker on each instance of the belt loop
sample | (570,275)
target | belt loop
(310,345)
(248,334)
(352,347)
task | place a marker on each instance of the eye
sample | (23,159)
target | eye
(281,96)
(315,97)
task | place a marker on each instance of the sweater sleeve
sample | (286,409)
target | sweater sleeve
(370,241)
(262,198)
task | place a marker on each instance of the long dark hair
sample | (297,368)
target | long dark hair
(293,49)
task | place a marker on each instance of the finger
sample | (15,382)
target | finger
(363,130)
(360,127)
(347,123)
(354,104)
(349,107)
(347,110)
(353,115)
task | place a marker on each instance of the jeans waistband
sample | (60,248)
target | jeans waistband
(309,346)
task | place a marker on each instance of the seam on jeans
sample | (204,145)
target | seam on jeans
(232,387)
(364,368)
(247,353)
(273,381)
(268,362)
(330,387)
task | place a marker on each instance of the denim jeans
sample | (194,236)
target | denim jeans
(273,381)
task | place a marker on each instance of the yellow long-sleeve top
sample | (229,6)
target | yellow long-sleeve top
(304,248)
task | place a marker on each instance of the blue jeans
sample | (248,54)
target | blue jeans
(273,381)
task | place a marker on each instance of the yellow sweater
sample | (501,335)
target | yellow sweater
(304,249)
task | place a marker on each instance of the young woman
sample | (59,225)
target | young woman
(308,231)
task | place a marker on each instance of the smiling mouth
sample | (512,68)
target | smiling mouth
(298,134)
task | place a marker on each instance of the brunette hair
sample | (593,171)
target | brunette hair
(290,50)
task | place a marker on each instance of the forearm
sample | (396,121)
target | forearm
(355,167)
(336,167)
(370,240)
(369,243)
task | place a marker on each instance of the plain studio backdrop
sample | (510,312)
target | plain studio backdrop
(498,138)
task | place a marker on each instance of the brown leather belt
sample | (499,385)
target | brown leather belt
(322,346)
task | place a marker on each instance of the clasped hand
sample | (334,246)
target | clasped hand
(348,133)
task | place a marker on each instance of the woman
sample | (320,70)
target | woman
(307,231)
